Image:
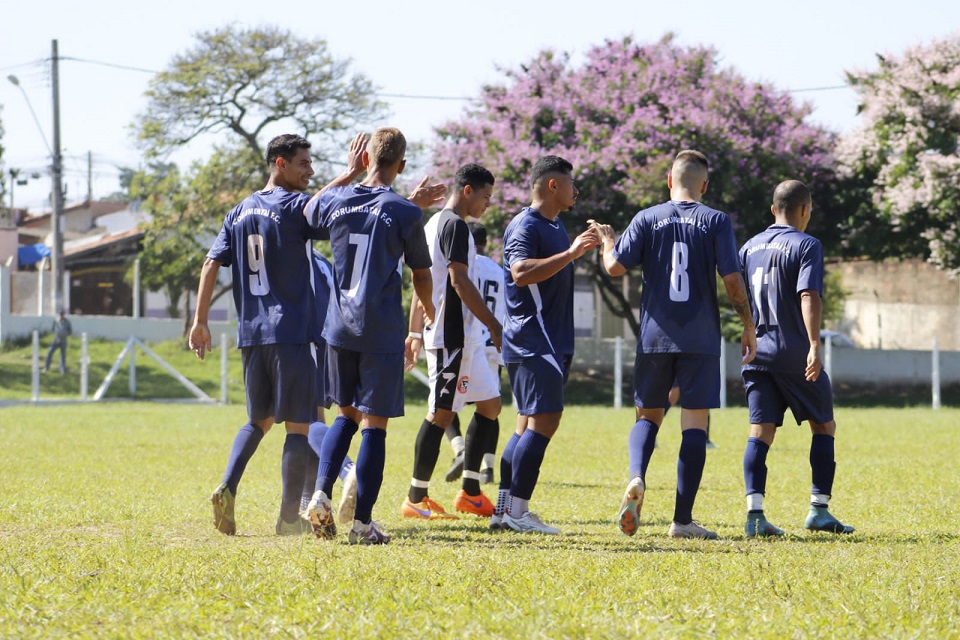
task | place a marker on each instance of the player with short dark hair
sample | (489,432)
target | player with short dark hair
(265,240)
(783,268)
(372,229)
(538,335)
(680,245)
(455,350)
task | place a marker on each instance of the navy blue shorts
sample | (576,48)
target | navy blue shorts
(281,382)
(320,355)
(370,382)
(770,393)
(538,382)
(697,375)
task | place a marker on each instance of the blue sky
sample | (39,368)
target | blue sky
(429,48)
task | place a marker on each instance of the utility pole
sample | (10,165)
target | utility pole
(89,177)
(57,170)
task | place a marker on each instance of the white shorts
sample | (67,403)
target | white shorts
(460,376)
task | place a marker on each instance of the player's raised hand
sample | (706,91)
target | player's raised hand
(425,195)
(355,155)
(814,364)
(200,340)
(587,240)
(605,232)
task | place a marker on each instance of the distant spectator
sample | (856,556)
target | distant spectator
(61,330)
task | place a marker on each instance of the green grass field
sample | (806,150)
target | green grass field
(106,531)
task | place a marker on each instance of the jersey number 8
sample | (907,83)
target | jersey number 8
(679,279)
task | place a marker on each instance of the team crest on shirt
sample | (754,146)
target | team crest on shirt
(462,384)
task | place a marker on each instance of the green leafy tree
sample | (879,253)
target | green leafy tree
(903,163)
(239,82)
(234,86)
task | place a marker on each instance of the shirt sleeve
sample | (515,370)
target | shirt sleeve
(221,250)
(415,251)
(810,277)
(316,213)
(726,247)
(628,249)
(454,239)
(524,243)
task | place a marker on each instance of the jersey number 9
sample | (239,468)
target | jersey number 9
(259,285)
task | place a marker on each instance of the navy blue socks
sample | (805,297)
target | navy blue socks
(333,450)
(642,440)
(293,471)
(244,446)
(822,464)
(527,458)
(370,461)
(755,466)
(693,455)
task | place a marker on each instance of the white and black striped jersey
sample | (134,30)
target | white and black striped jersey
(449,240)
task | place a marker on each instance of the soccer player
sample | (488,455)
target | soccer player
(455,350)
(265,240)
(322,285)
(491,285)
(679,245)
(783,267)
(371,230)
(538,334)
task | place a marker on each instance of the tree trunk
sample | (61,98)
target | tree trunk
(612,294)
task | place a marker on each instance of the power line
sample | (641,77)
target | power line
(112,65)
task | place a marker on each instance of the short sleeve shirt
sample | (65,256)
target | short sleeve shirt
(266,242)
(680,246)
(539,317)
(778,265)
(449,240)
(372,231)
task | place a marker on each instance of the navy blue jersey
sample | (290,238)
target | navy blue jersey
(778,264)
(539,317)
(371,230)
(322,284)
(265,240)
(681,246)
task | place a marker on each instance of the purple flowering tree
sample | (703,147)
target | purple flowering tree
(620,116)
(904,159)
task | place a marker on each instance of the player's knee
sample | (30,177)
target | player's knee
(826,428)
(490,409)
(443,418)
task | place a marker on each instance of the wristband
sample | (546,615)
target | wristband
(414,334)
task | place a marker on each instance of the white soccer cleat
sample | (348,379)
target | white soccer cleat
(320,515)
(692,530)
(348,499)
(629,517)
(529,522)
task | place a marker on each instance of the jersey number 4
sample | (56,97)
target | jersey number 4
(259,285)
